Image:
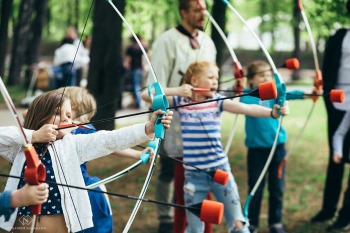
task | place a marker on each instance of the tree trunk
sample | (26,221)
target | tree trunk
(69,13)
(296,30)
(263,10)
(76,14)
(36,31)
(273,27)
(220,18)
(104,78)
(6,10)
(20,41)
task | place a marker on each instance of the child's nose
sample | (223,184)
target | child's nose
(64,119)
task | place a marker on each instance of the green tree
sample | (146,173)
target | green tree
(104,76)
(6,9)
(20,41)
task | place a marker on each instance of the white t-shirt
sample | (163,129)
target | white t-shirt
(171,55)
(344,74)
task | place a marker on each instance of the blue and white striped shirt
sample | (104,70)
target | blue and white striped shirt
(201,133)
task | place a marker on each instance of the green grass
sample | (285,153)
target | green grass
(306,166)
(305,174)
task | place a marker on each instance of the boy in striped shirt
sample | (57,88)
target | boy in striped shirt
(201,135)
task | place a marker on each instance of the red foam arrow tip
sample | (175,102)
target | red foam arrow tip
(220,177)
(292,64)
(267,91)
(337,96)
(212,211)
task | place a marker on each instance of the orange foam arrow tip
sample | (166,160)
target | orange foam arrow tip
(292,64)
(267,91)
(337,96)
(212,211)
(220,177)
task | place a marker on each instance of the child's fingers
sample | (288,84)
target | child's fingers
(151,152)
(43,187)
(166,122)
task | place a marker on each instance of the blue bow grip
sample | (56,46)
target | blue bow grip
(159,101)
(281,91)
(145,156)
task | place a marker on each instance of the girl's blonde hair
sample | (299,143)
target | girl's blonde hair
(195,68)
(253,67)
(83,103)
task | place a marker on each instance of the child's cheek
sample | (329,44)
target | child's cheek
(61,134)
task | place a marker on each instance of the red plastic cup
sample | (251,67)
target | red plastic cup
(220,177)
(292,64)
(212,211)
(267,91)
(337,96)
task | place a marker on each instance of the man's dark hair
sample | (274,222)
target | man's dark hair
(348,6)
(184,4)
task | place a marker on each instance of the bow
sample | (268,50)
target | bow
(237,71)
(159,102)
(317,83)
(281,98)
(34,170)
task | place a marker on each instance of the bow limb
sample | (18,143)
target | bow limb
(159,102)
(34,170)
(238,73)
(318,84)
(281,98)
(115,176)
(318,81)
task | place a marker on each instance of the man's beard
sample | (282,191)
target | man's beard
(200,27)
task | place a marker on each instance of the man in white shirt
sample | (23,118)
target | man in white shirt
(172,53)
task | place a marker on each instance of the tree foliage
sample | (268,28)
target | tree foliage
(151,17)
(326,16)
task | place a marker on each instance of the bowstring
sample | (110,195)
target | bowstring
(59,111)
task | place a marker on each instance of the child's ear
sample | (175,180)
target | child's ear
(194,81)
(74,107)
